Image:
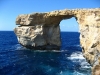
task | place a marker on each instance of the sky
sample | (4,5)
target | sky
(10,9)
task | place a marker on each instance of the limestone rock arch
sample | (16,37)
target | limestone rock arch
(41,31)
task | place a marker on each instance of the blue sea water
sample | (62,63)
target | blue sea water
(17,60)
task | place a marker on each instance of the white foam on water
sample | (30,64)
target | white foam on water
(49,51)
(18,47)
(77,57)
(72,73)
(78,73)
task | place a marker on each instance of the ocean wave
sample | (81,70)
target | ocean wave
(68,72)
(19,47)
(77,57)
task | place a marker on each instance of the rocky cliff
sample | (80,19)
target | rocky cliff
(41,31)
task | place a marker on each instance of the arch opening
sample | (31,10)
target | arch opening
(70,34)
(70,44)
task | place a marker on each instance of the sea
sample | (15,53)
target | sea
(17,60)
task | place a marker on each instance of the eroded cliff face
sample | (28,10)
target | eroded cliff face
(41,31)
(89,25)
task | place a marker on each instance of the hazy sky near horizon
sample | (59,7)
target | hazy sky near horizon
(10,9)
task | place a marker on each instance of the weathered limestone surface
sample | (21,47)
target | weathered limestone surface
(41,31)
(39,37)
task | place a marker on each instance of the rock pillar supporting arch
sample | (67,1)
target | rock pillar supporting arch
(41,31)
(39,37)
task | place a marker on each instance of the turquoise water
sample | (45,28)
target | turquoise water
(17,60)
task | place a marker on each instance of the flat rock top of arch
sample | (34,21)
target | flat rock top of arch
(48,18)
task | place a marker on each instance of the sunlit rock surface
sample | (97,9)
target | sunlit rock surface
(39,37)
(41,31)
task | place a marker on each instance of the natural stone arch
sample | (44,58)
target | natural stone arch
(41,31)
